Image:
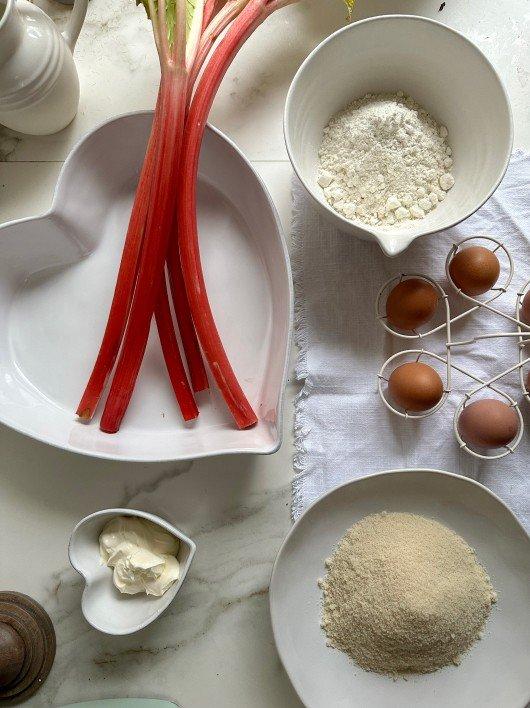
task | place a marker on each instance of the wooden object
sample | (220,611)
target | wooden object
(27,647)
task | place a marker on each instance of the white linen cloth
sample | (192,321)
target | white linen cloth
(342,429)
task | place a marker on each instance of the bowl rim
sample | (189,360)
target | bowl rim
(384,473)
(322,203)
(171,592)
(54,210)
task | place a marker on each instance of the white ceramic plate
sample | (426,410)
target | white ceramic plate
(57,274)
(492,674)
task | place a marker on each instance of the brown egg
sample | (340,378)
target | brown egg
(475,270)
(488,423)
(525,308)
(415,386)
(411,303)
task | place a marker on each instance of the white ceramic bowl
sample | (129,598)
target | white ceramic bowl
(103,606)
(57,276)
(443,71)
(493,673)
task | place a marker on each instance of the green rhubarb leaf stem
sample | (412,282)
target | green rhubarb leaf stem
(178,55)
(150,9)
(163,32)
(194,21)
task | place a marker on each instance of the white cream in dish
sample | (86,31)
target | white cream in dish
(142,554)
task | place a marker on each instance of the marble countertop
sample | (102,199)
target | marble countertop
(214,646)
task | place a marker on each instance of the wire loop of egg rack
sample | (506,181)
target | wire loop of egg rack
(522,334)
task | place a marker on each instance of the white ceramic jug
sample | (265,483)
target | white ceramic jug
(39,87)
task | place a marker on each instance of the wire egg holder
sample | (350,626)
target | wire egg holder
(522,334)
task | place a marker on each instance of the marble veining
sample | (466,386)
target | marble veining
(227,585)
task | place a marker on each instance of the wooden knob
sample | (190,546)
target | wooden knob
(12,654)
(27,647)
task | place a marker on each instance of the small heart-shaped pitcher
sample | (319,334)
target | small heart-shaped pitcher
(39,87)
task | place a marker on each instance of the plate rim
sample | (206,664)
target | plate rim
(55,209)
(272,590)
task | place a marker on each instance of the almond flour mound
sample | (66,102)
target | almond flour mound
(404,594)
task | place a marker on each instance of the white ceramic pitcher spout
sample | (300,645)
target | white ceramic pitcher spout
(39,86)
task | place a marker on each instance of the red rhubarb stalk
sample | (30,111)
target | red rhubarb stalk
(172,161)
(123,291)
(160,213)
(190,344)
(170,349)
(217,25)
(150,273)
(241,28)
(196,54)
(210,10)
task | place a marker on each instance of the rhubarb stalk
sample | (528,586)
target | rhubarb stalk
(190,344)
(215,28)
(163,222)
(123,291)
(241,28)
(170,349)
(159,218)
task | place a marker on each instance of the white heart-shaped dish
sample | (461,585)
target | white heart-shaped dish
(103,606)
(57,274)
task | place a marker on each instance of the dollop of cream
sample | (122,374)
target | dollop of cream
(142,554)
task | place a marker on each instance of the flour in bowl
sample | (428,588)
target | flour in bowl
(385,161)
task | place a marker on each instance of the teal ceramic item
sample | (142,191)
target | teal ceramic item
(124,703)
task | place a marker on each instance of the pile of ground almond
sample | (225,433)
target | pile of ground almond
(404,594)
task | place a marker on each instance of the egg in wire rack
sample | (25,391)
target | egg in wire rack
(487,428)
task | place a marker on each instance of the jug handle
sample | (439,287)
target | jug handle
(77,17)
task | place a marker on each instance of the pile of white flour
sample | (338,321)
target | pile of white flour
(384,160)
